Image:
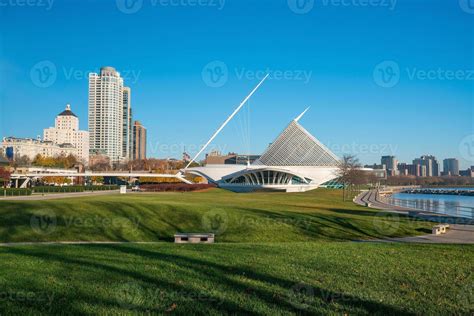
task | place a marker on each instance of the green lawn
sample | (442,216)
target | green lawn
(259,217)
(259,278)
(275,254)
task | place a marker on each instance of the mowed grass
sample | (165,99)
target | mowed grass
(275,254)
(259,217)
(318,278)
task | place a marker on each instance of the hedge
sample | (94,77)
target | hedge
(66,189)
(179,187)
(14,192)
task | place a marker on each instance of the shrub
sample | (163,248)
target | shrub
(53,189)
(13,192)
(180,187)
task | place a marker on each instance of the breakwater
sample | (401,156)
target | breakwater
(457,191)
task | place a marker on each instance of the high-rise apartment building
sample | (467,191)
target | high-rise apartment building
(390,163)
(431,164)
(127,132)
(451,167)
(139,141)
(109,115)
(66,131)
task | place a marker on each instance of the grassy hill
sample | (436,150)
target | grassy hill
(258,217)
(276,254)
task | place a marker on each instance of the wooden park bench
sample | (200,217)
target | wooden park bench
(194,238)
(440,229)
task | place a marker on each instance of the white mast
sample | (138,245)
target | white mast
(301,115)
(226,121)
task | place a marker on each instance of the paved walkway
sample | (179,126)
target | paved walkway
(456,234)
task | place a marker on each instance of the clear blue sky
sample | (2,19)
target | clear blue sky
(329,52)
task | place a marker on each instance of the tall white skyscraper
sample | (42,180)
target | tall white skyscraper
(127,125)
(106,114)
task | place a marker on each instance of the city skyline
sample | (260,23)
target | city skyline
(367,118)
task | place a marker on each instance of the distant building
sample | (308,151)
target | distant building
(376,167)
(215,158)
(467,173)
(139,141)
(66,131)
(106,114)
(431,165)
(411,169)
(451,167)
(127,131)
(390,163)
(14,148)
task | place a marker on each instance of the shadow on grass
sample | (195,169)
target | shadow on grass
(227,278)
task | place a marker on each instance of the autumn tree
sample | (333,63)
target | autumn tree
(4,176)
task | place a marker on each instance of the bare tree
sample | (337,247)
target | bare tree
(349,173)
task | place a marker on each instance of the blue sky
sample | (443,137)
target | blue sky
(381,77)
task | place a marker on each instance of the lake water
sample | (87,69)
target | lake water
(456,205)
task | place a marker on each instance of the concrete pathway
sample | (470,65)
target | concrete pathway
(461,231)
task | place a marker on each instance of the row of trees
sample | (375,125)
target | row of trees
(62,161)
(155,165)
(434,181)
